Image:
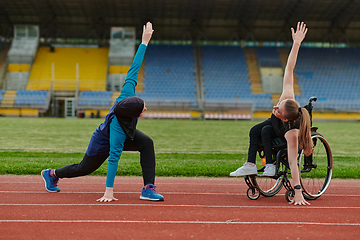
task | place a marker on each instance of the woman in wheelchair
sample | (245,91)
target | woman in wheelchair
(288,121)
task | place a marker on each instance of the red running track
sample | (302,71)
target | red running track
(194,208)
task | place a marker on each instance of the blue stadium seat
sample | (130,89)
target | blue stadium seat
(31,97)
(268,57)
(169,72)
(95,98)
(225,75)
(330,74)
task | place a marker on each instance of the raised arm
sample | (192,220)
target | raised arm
(288,84)
(128,89)
(117,135)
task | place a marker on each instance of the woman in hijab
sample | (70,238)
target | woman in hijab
(116,134)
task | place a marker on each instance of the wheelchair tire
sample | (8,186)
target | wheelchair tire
(289,195)
(269,186)
(253,193)
(316,170)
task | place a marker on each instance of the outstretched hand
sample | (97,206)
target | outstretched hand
(300,33)
(108,195)
(299,199)
(147,33)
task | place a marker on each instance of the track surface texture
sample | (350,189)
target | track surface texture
(194,208)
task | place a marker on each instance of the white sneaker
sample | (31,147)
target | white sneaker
(269,170)
(247,169)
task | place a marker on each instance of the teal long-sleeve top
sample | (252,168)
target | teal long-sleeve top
(109,137)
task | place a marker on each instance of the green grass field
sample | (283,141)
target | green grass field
(183,147)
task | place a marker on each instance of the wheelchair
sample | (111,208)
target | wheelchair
(315,170)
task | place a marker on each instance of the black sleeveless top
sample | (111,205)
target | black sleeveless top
(281,127)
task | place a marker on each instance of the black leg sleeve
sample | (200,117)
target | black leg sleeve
(85,167)
(267,133)
(144,144)
(255,139)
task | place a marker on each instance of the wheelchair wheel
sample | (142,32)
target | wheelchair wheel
(253,193)
(316,169)
(289,195)
(269,186)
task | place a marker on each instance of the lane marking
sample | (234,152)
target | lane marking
(170,193)
(169,205)
(241,184)
(191,182)
(181,222)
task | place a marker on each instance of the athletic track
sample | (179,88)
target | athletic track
(194,208)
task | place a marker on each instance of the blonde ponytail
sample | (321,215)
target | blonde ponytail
(305,140)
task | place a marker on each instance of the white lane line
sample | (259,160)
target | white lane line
(181,222)
(134,183)
(240,185)
(169,205)
(170,193)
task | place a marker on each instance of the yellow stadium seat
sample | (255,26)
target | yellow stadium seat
(27,112)
(92,70)
(14,67)
(114,69)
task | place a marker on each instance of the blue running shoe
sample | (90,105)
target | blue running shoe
(149,193)
(50,182)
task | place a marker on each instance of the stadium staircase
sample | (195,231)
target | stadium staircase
(140,80)
(8,99)
(3,65)
(116,77)
(253,70)
(17,75)
(199,80)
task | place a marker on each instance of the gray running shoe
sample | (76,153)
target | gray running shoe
(269,170)
(247,169)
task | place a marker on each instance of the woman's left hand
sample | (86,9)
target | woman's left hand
(299,199)
(108,195)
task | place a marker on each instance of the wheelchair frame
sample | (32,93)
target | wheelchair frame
(310,170)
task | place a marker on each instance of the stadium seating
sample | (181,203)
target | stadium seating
(170,76)
(226,77)
(92,69)
(95,98)
(169,73)
(330,74)
(268,57)
(27,98)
